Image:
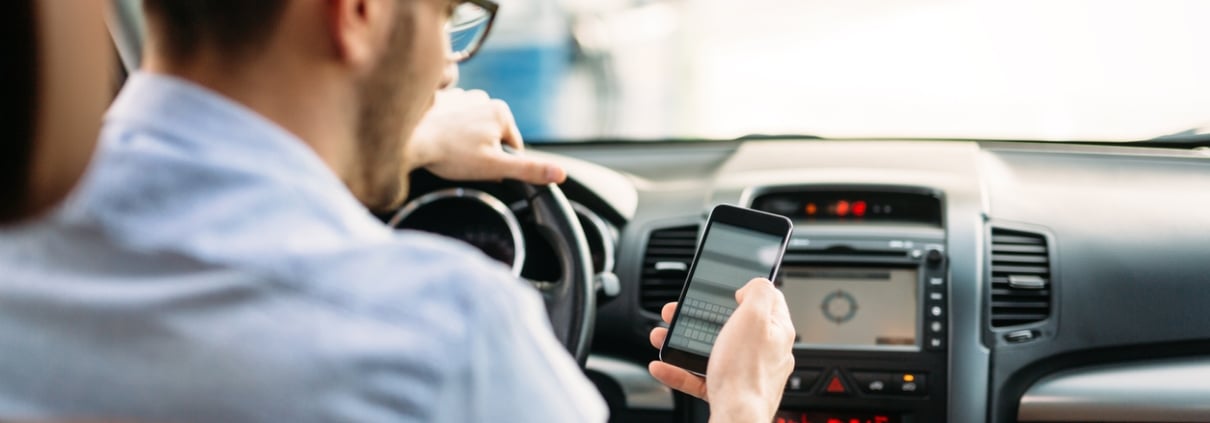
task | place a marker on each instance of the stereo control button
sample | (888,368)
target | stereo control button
(877,383)
(914,384)
(935,343)
(934,256)
(802,380)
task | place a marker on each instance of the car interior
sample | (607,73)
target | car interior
(966,247)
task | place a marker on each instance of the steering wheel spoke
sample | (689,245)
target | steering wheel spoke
(571,300)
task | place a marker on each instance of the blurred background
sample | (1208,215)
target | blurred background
(1097,70)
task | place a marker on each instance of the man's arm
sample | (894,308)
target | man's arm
(461,137)
(750,361)
(517,371)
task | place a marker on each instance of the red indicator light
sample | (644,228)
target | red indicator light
(859,208)
(842,208)
(811,209)
(881,419)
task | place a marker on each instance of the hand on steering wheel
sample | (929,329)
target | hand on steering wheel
(460,139)
(469,136)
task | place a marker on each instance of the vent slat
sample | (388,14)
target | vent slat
(684,243)
(1018,249)
(1021,304)
(1020,270)
(669,252)
(1018,258)
(1013,237)
(657,287)
(1019,293)
(1016,255)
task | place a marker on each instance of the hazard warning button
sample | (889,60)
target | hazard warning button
(835,385)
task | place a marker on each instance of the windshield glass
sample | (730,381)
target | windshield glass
(719,69)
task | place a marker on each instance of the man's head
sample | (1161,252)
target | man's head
(352,78)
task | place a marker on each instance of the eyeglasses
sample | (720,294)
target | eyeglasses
(468,27)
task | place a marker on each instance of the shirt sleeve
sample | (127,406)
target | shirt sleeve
(517,370)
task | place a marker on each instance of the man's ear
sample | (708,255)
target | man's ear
(358,30)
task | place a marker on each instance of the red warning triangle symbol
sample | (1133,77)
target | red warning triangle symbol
(835,386)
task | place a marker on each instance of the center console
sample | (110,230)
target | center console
(865,277)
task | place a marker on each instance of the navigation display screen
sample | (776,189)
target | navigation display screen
(853,308)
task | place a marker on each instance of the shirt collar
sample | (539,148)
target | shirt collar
(204,120)
(175,119)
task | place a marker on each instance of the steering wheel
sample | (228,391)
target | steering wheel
(570,298)
(571,301)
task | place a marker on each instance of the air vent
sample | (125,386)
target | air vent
(665,265)
(1021,283)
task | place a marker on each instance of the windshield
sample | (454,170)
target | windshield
(972,69)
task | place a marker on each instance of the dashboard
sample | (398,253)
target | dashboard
(928,281)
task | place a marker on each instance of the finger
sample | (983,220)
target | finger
(678,378)
(780,308)
(478,95)
(509,133)
(668,311)
(657,337)
(528,170)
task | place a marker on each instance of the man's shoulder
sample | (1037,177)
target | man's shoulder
(409,270)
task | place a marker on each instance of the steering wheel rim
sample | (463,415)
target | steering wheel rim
(570,301)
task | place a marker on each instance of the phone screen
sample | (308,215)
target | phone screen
(730,256)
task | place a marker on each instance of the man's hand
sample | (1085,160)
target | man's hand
(460,139)
(750,362)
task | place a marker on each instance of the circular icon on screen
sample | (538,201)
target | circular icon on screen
(839,307)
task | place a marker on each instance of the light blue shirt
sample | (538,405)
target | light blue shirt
(211,268)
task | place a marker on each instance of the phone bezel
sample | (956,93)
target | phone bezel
(755,220)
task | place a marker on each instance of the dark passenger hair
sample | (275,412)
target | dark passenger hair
(234,27)
(19,98)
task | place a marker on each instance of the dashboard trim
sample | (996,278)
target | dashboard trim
(1173,390)
(608,238)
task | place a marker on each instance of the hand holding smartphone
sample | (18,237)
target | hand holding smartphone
(737,245)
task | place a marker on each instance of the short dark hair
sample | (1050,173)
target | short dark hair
(235,27)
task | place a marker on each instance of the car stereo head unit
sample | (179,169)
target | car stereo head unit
(871,315)
(866,281)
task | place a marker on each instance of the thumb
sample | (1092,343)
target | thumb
(529,170)
(760,292)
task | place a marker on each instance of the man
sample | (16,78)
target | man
(218,264)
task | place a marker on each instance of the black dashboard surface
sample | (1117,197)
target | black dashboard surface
(1128,229)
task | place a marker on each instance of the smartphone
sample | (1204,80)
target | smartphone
(737,245)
